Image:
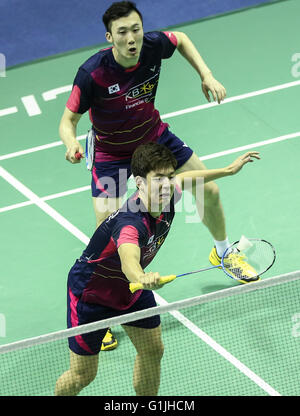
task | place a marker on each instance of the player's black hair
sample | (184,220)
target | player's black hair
(117,10)
(151,157)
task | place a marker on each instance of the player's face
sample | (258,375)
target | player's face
(127,39)
(160,188)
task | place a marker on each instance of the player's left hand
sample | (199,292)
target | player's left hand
(210,84)
(237,165)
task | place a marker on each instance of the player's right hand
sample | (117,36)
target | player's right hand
(151,281)
(72,150)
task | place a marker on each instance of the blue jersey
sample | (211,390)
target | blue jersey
(96,276)
(120,101)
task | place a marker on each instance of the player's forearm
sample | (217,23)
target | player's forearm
(188,50)
(132,271)
(206,175)
(130,255)
(67,132)
(68,127)
(213,174)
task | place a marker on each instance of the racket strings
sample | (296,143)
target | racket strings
(236,263)
(251,262)
(235,259)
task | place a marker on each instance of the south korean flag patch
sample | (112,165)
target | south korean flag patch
(113,89)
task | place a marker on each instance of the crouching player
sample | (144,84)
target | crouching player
(117,254)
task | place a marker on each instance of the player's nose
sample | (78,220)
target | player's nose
(130,39)
(165,185)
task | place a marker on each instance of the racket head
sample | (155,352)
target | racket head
(258,254)
(90,149)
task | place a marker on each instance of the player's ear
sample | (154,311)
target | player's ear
(108,37)
(139,182)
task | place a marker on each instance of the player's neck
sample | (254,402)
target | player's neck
(154,214)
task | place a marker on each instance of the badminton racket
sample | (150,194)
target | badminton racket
(254,255)
(89,150)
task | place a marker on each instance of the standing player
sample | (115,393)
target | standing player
(117,86)
(117,254)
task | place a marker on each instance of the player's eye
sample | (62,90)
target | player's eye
(161,179)
(158,179)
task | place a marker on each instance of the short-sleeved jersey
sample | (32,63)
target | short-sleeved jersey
(120,101)
(96,276)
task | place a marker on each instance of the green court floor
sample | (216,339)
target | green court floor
(46,214)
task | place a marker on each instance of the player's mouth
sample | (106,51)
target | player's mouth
(132,50)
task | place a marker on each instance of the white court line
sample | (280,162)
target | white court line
(181,318)
(251,146)
(43,205)
(7,111)
(219,349)
(168,115)
(31,105)
(207,157)
(232,99)
(36,149)
(46,198)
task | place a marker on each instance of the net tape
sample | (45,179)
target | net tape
(146,313)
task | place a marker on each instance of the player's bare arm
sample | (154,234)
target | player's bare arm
(67,132)
(130,263)
(213,174)
(209,84)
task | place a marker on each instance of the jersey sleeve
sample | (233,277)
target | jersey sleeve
(169,42)
(129,231)
(165,41)
(81,96)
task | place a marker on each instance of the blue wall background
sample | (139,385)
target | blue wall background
(33,29)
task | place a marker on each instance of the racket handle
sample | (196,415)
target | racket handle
(135,286)
(163,280)
(78,156)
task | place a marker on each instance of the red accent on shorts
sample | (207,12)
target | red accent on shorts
(74,322)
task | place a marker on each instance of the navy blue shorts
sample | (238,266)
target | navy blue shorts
(109,179)
(80,313)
